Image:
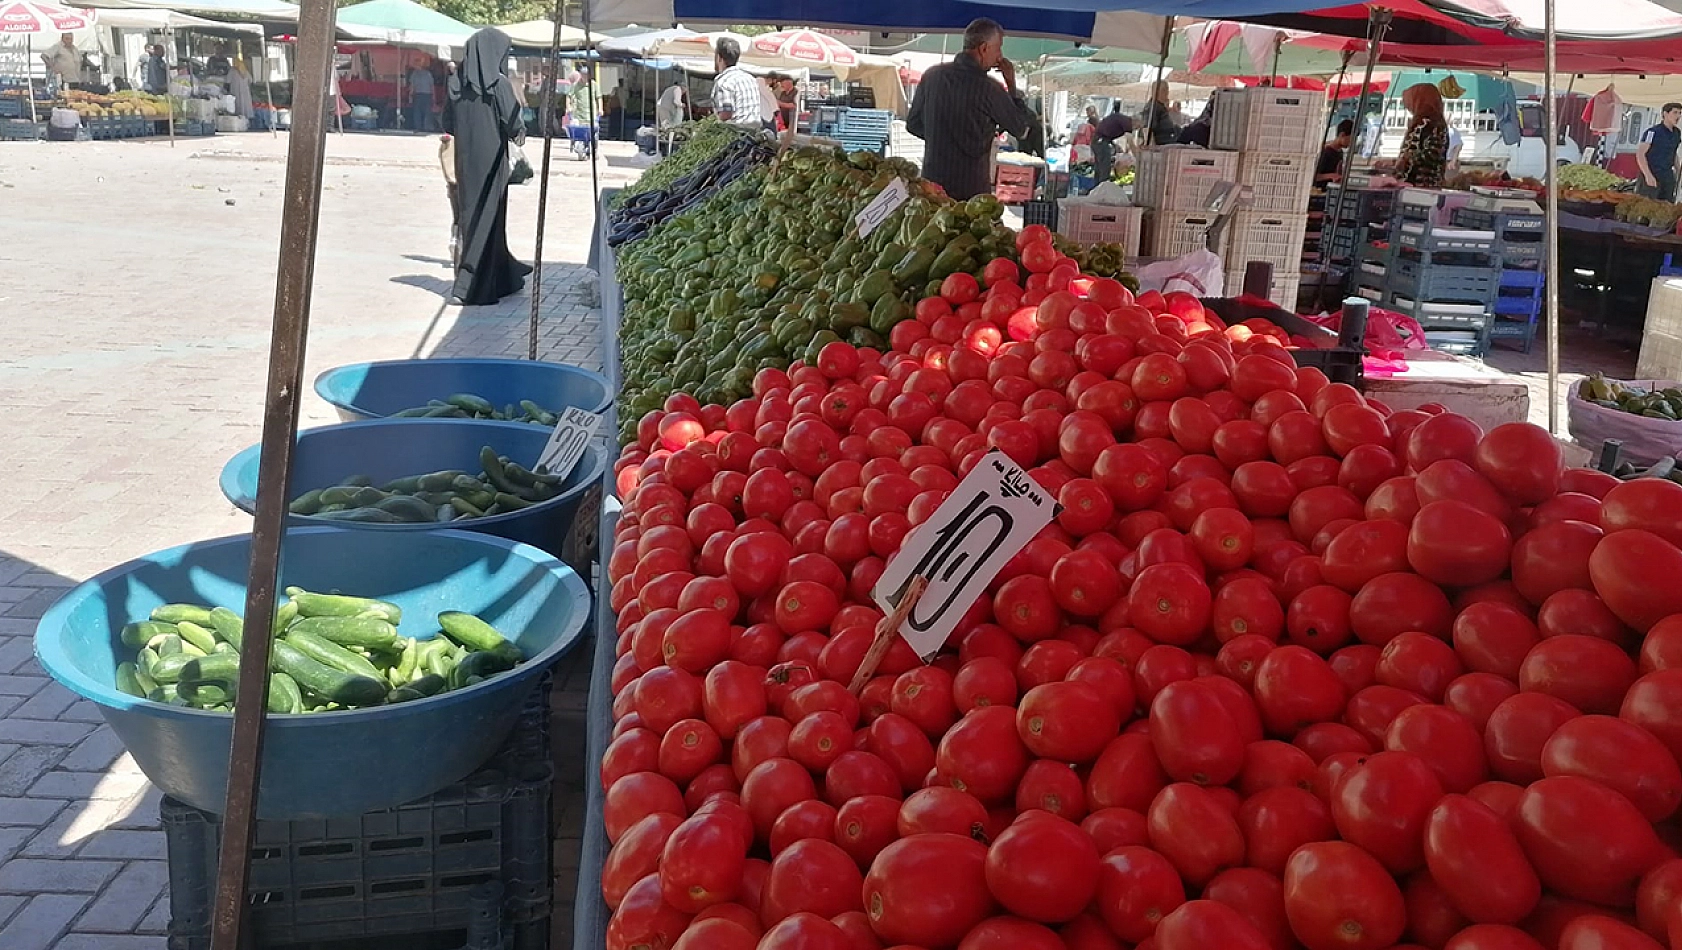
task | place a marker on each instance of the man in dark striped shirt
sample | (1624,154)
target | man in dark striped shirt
(960,109)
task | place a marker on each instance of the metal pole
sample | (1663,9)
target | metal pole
(544,117)
(1149,138)
(169,83)
(1332,95)
(1550,245)
(400,82)
(29,71)
(595,150)
(1378,24)
(1278,47)
(300,219)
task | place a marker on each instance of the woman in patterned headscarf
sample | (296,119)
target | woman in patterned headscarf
(1424,155)
(483,114)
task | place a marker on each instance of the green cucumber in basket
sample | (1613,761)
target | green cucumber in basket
(319,679)
(284,695)
(167,671)
(140,633)
(216,668)
(229,627)
(477,635)
(196,635)
(478,666)
(175,613)
(341,605)
(323,650)
(371,633)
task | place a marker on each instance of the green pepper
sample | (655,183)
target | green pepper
(913,268)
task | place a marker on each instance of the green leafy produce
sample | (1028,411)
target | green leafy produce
(501,486)
(1587,178)
(1650,212)
(700,142)
(332,651)
(469,406)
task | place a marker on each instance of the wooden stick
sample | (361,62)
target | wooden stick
(887,630)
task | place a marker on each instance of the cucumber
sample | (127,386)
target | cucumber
(197,635)
(167,645)
(441,658)
(165,693)
(404,671)
(403,694)
(192,649)
(167,671)
(147,658)
(205,694)
(283,617)
(323,650)
(475,634)
(441,481)
(229,627)
(306,504)
(218,668)
(478,405)
(223,646)
(137,635)
(407,485)
(175,613)
(478,666)
(466,508)
(128,680)
(370,632)
(429,685)
(495,474)
(319,679)
(284,695)
(341,605)
(357,481)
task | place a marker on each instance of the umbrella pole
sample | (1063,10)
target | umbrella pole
(169,86)
(300,225)
(1378,24)
(590,117)
(400,83)
(1149,138)
(1550,246)
(546,111)
(1332,95)
(28,69)
(1278,46)
(268,90)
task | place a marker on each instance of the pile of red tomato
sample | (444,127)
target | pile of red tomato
(1288,669)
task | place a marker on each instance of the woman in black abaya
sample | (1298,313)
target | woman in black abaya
(483,114)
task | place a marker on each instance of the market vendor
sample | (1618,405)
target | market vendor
(960,109)
(1657,155)
(1110,129)
(63,62)
(155,71)
(1424,155)
(1330,165)
(1157,119)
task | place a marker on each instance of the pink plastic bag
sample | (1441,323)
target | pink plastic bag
(1386,329)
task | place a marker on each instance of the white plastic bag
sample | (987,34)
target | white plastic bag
(65,118)
(1108,193)
(1199,273)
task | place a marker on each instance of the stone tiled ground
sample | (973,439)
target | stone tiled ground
(133,345)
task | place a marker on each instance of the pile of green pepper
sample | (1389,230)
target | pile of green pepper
(1652,403)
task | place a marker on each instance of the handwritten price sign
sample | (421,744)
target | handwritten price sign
(567,443)
(994,512)
(881,206)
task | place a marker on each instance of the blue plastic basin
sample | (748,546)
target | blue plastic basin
(386,449)
(333,763)
(377,390)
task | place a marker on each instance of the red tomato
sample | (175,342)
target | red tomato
(1137,887)
(635,797)
(927,889)
(1654,702)
(1589,673)
(1621,756)
(636,855)
(1068,721)
(1630,569)
(1597,932)
(1126,775)
(1170,603)
(983,754)
(1443,436)
(1295,688)
(1195,736)
(1199,924)
(865,825)
(1337,897)
(1476,860)
(1043,868)
(1195,831)
(717,933)
(644,919)
(1650,504)
(1492,937)
(1494,638)
(1392,604)
(1455,544)
(1523,461)
(770,788)
(702,863)
(1585,841)
(1382,805)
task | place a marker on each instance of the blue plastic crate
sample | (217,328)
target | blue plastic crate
(866,121)
(410,870)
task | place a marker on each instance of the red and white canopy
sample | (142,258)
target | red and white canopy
(18,17)
(807,48)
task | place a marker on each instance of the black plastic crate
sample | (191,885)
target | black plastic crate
(1040,212)
(409,870)
(1441,283)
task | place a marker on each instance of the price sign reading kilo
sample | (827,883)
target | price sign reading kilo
(881,206)
(995,511)
(566,445)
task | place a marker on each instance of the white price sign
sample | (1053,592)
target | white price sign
(567,443)
(992,514)
(881,206)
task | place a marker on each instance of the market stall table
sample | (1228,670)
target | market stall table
(1469,387)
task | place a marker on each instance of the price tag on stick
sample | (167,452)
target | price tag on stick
(567,443)
(992,514)
(881,206)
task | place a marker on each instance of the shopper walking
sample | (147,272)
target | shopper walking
(154,75)
(960,110)
(482,114)
(1108,132)
(1657,155)
(1424,156)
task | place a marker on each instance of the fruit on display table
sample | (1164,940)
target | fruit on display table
(502,485)
(769,269)
(1652,402)
(331,651)
(1288,668)
(128,102)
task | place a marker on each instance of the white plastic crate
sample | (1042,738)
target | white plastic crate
(1169,234)
(1180,177)
(1266,236)
(1087,222)
(1286,287)
(1276,182)
(1274,121)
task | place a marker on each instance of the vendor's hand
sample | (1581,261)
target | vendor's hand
(1651,181)
(1008,71)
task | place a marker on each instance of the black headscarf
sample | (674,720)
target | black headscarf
(481,69)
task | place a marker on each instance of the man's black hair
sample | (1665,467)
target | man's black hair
(1346,127)
(728,50)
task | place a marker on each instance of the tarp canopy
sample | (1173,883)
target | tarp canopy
(921,16)
(405,21)
(540,34)
(159,20)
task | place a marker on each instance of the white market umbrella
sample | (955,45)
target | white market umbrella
(805,48)
(27,18)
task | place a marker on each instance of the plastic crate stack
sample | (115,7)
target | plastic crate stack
(1519,249)
(1088,222)
(1014,184)
(864,130)
(1172,184)
(1277,134)
(467,868)
(1442,274)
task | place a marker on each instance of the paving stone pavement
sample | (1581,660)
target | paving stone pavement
(131,368)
